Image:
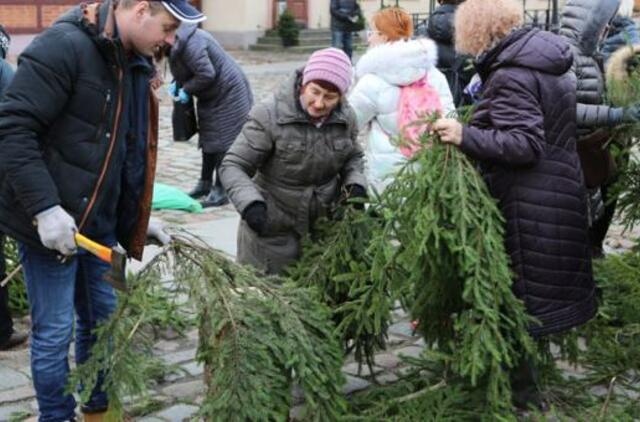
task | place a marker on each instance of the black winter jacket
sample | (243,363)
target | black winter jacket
(523,133)
(59,124)
(457,68)
(341,11)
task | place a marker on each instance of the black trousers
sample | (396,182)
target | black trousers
(211,163)
(6,323)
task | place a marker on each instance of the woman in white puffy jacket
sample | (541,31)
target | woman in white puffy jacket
(393,61)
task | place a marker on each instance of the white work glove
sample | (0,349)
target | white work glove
(56,229)
(155,230)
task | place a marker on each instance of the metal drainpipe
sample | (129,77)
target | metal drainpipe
(554,15)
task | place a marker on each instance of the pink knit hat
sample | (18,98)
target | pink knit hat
(330,65)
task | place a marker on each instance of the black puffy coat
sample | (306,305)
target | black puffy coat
(208,73)
(60,120)
(341,11)
(457,68)
(523,133)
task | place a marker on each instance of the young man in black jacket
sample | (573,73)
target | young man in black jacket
(78,131)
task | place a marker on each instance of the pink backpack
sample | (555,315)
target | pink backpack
(417,100)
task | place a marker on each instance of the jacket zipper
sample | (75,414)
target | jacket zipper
(103,115)
(112,142)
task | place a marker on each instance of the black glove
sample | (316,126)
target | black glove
(356,191)
(256,216)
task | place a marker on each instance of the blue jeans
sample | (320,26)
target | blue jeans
(55,291)
(342,40)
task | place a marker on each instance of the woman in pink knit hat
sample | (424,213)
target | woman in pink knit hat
(294,159)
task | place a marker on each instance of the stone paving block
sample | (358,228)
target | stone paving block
(409,351)
(399,314)
(386,378)
(178,412)
(152,419)
(352,369)
(180,357)
(11,410)
(166,346)
(401,329)
(17,394)
(394,340)
(185,390)
(192,335)
(387,360)
(193,368)
(174,376)
(354,384)
(12,378)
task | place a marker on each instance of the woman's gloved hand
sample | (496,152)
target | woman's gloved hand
(256,216)
(183,97)
(356,191)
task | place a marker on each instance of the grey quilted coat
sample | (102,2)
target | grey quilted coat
(298,169)
(208,73)
(582,25)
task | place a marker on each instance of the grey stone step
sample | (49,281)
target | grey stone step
(294,49)
(304,33)
(302,41)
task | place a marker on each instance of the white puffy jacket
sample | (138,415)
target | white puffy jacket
(380,73)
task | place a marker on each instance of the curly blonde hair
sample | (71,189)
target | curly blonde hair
(480,24)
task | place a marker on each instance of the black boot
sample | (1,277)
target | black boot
(202,188)
(217,197)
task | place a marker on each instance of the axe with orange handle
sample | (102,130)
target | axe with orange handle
(115,256)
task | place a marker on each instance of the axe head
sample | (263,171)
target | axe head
(116,274)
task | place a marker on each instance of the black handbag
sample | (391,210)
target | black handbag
(184,121)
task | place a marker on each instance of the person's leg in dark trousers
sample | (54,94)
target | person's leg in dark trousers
(598,231)
(525,381)
(342,40)
(347,42)
(6,323)
(203,187)
(218,195)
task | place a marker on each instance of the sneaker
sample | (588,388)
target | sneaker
(202,188)
(16,339)
(216,198)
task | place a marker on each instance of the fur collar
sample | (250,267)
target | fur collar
(617,67)
(400,62)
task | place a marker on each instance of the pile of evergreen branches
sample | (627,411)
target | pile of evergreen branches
(337,263)
(450,242)
(257,338)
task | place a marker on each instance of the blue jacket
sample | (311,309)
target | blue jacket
(623,31)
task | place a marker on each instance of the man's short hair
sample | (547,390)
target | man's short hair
(154,6)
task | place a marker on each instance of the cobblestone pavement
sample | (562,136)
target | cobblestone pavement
(177,398)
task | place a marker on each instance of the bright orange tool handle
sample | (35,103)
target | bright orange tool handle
(97,249)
